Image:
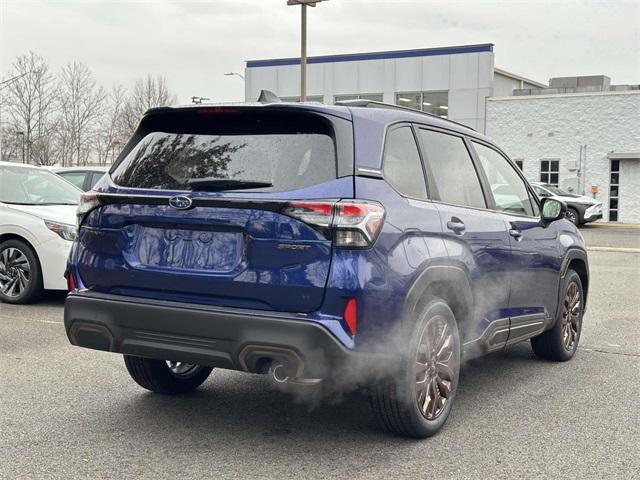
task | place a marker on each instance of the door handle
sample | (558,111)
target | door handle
(456,225)
(515,233)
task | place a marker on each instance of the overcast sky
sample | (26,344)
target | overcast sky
(193,43)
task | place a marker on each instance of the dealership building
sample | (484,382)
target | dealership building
(451,82)
(579,133)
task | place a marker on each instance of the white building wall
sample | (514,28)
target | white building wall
(468,77)
(533,128)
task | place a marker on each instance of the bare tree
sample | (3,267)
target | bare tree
(28,106)
(81,102)
(147,93)
(112,130)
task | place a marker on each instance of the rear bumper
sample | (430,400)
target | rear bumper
(226,338)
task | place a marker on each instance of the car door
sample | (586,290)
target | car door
(476,238)
(534,258)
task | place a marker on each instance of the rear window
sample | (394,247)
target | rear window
(290,150)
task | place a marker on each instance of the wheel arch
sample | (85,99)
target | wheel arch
(448,282)
(577,260)
(5,237)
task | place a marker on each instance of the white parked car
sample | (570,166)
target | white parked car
(37,229)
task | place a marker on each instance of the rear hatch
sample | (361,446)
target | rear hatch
(201,207)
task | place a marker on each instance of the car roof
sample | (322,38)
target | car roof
(80,169)
(370,111)
(19,165)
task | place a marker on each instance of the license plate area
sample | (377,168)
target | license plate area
(185,249)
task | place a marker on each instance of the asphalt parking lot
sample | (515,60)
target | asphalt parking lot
(67,412)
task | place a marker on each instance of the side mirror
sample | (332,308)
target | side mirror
(553,209)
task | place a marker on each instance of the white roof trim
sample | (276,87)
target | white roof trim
(504,73)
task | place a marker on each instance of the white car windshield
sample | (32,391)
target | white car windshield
(34,186)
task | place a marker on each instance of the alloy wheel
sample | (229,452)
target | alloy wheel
(571,216)
(181,368)
(571,316)
(434,368)
(15,272)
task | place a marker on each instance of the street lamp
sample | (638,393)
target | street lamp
(22,135)
(229,74)
(303,43)
(198,100)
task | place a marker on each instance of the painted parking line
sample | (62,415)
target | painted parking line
(614,249)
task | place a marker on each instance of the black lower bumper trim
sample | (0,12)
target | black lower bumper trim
(232,339)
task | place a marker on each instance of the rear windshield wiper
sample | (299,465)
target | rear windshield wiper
(220,184)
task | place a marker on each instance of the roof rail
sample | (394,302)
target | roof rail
(373,104)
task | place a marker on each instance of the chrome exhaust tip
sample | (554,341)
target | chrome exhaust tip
(279,373)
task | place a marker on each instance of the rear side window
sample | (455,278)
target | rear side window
(77,178)
(94,179)
(402,165)
(453,172)
(291,150)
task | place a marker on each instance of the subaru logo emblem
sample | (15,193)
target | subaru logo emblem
(181,202)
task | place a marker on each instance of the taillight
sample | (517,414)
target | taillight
(351,315)
(71,282)
(357,224)
(88,201)
(314,213)
(352,223)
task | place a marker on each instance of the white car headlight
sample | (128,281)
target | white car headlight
(66,231)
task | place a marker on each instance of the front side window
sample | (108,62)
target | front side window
(453,172)
(401,164)
(509,190)
(549,171)
(541,192)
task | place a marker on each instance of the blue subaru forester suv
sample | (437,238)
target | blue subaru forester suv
(359,244)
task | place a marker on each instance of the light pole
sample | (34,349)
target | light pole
(21,134)
(229,74)
(303,43)
(198,100)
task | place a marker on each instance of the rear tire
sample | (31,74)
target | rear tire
(561,342)
(157,376)
(417,402)
(20,273)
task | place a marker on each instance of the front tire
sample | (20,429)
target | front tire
(417,402)
(166,377)
(561,342)
(20,273)
(573,216)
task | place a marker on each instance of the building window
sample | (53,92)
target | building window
(310,98)
(549,171)
(520,165)
(375,97)
(435,103)
(614,189)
